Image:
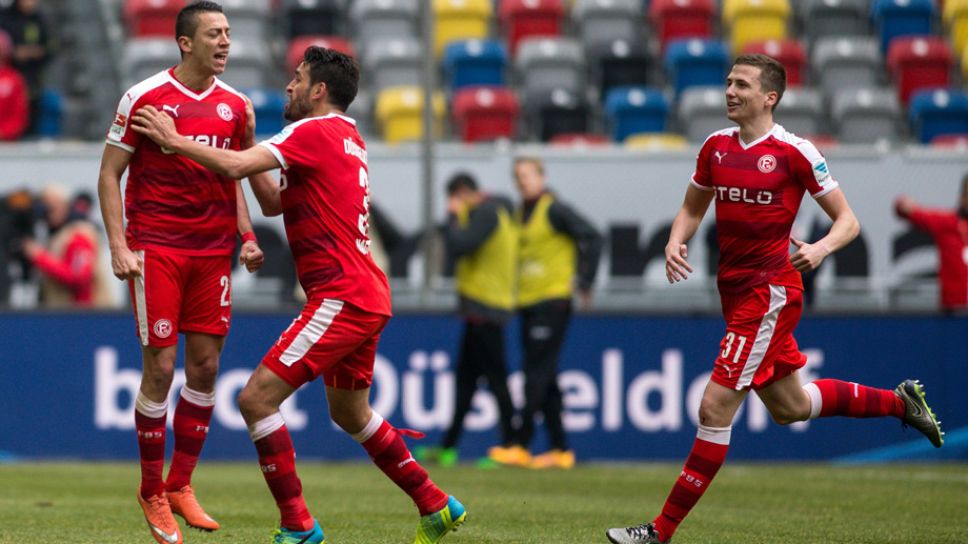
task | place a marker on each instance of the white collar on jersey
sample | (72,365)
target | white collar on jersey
(762,138)
(188,92)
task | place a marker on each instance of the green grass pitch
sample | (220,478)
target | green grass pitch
(778,503)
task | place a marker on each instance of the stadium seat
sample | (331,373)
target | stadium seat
(485,113)
(50,114)
(384,19)
(951,141)
(579,139)
(755,20)
(678,19)
(528,18)
(547,63)
(460,20)
(475,62)
(617,63)
(801,111)
(842,63)
(826,18)
(399,113)
(393,62)
(894,18)
(606,20)
(789,52)
(250,19)
(702,111)
(665,141)
(297,47)
(556,111)
(938,112)
(147,18)
(269,106)
(313,17)
(251,65)
(918,62)
(955,17)
(866,116)
(632,110)
(144,57)
(695,62)
(361,110)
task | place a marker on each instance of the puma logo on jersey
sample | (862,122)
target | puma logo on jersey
(719,156)
(173,110)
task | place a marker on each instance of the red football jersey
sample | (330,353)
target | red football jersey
(950,233)
(171,202)
(325,207)
(758,188)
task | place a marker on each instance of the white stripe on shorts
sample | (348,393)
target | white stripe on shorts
(139,300)
(764,336)
(312,332)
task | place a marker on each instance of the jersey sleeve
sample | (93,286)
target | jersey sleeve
(120,134)
(930,221)
(295,146)
(702,178)
(810,169)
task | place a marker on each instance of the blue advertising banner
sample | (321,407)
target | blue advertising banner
(631,387)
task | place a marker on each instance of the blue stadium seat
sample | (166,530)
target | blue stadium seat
(633,110)
(696,62)
(475,62)
(893,18)
(49,125)
(269,106)
(939,112)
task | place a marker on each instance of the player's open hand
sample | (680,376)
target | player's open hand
(677,267)
(125,264)
(251,256)
(808,256)
(158,126)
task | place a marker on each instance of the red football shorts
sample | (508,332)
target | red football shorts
(329,338)
(181,293)
(759,347)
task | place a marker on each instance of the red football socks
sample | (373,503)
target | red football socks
(707,455)
(838,398)
(277,459)
(192,416)
(149,422)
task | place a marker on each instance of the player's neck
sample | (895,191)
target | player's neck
(754,129)
(193,79)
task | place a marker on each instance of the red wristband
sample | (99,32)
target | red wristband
(249,237)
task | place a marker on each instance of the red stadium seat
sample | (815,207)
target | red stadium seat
(151,17)
(951,141)
(675,19)
(297,47)
(789,52)
(918,62)
(527,18)
(485,113)
(579,139)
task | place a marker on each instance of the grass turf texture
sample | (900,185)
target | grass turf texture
(95,503)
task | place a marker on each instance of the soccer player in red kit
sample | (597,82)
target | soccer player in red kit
(758,173)
(324,200)
(175,252)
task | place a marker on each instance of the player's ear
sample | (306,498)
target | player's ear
(184,45)
(319,91)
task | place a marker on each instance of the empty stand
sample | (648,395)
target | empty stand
(314,17)
(895,18)
(702,111)
(696,62)
(834,18)
(529,18)
(361,110)
(619,62)
(606,20)
(656,142)
(579,139)
(755,20)
(557,111)
(918,62)
(460,20)
(297,48)
(148,18)
(842,63)
(955,17)
(475,62)
(269,106)
(677,19)
(866,116)
(383,19)
(145,57)
(393,62)
(801,111)
(250,19)
(249,66)
(789,52)
(543,64)
(938,113)
(485,113)
(399,113)
(632,110)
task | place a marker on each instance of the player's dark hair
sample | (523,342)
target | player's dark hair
(461,180)
(338,71)
(186,23)
(772,73)
(538,163)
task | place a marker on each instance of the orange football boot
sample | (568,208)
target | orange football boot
(158,515)
(184,503)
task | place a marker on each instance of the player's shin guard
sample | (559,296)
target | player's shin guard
(149,421)
(277,459)
(192,416)
(837,398)
(707,455)
(385,446)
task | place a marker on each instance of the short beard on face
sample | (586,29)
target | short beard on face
(296,109)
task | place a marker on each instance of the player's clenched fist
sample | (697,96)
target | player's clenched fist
(677,268)
(125,264)
(808,256)
(251,256)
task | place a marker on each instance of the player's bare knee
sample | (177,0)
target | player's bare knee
(251,404)
(785,415)
(349,419)
(714,414)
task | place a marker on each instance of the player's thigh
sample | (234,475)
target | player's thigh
(207,304)
(355,370)
(156,298)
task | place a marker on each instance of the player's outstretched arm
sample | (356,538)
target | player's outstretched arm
(684,227)
(842,232)
(265,187)
(124,263)
(161,129)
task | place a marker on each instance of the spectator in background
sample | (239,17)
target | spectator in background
(13,95)
(557,246)
(481,236)
(31,47)
(949,228)
(71,269)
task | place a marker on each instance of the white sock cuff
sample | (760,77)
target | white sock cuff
(816,399)
(150,408)
(370,429)
(198,398)
(264,427)
(716,435)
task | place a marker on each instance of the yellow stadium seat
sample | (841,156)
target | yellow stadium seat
(460,20)
(964,63)
(955,18)
(656,141)
(755,20)
(399,112)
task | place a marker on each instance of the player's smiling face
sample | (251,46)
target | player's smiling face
(745,97)
(210,45)
(298,91)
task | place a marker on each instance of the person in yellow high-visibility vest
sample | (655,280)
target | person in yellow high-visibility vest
(559,251)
